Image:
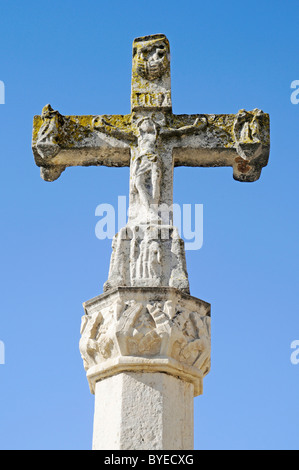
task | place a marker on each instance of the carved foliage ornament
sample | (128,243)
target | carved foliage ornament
(131,328)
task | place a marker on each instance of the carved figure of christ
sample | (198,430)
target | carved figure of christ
(152,141)
(149,135)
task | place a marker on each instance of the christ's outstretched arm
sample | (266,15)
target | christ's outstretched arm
(199,124)
(100,124)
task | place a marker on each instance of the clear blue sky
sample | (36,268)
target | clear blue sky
(77,56)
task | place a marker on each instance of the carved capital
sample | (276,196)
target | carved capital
(149,329)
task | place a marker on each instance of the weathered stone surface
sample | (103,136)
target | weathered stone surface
(81,142)
(145,410)
(239,140)
(151,88)
(148,329)
(148,255)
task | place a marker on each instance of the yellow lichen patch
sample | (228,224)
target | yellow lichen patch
(37,123)
(73,130)
(121,121)
(223,127)
(68,131)
(83,121)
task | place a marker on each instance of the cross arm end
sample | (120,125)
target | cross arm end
(61,141)
(241,141)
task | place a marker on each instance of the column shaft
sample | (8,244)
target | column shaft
(143,410)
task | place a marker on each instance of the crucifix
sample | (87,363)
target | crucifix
(145,341)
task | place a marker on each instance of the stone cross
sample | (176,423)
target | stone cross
(145,341)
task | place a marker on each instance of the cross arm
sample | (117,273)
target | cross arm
(62,141)
(240,140)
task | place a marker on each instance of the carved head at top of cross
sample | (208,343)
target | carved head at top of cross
(151,87)
(151,56)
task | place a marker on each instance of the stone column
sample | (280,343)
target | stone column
(146,410)
(145,351)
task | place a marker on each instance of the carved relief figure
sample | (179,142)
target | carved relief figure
(146,169)
(148,260)
(247,126)
(152,59)
(46,140)
(146,166)
(247,129)
(154,260)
